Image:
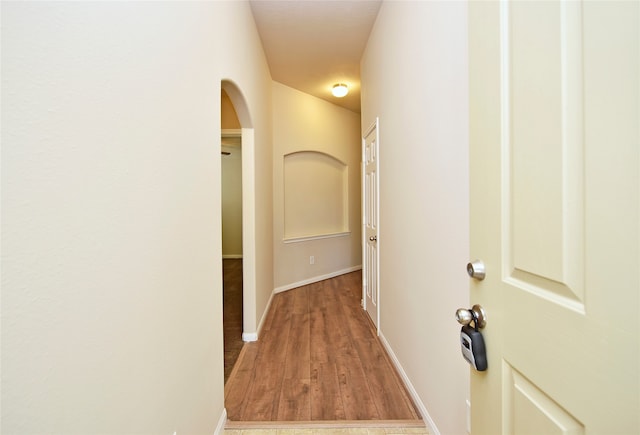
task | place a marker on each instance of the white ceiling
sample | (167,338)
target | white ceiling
(311,45)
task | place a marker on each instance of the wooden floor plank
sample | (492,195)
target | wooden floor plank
(237,388)
(301,300)
(271,315)
(232,312)
(391,400)
(359,325)
(273,346)
(328,335)
(326,400)
(262,399)
(356,397)
(298,351)
(295,400)
(319,339)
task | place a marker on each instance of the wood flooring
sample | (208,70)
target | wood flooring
(318,358)
(232,312)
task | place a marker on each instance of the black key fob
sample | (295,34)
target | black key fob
(473,350)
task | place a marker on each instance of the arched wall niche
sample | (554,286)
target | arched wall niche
(316,201)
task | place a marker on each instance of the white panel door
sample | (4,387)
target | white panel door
(554,131)
(370,253)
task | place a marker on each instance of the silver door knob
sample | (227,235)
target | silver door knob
(476,314)
(373,238)
(475,269)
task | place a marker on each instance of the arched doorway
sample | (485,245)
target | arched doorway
(242,132)
(232,267)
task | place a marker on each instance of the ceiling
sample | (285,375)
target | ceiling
(311,45)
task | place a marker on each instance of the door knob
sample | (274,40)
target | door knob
(476,314)
(373,238)
(475,269)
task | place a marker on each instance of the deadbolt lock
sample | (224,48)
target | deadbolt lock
(475,269)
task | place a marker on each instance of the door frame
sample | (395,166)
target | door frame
(249,311)
(369,131)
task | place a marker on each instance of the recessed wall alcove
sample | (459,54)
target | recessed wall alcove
(315,196)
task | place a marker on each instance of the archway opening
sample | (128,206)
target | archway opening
(232,267)
(238,215)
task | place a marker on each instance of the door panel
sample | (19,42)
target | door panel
(370,255)
(532,412)
(554,99)
(543,110)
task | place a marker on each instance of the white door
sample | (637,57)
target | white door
(370,254)
(554,132)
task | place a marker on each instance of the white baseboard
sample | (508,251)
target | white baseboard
(264,314)
(433,430)
(231,256)
(222,421)
(253,336)
(315,279)
(249,336)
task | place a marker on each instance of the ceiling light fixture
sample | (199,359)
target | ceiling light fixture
(340,90)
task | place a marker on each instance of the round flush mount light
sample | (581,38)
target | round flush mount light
(340,90)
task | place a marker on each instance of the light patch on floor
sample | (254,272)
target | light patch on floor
(334,431)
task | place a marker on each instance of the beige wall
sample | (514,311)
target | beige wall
(414,77)
(111,238)
(305,123)
(231,183)
(228,117)
(232,202)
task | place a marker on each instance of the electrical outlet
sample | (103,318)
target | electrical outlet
(312,260)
